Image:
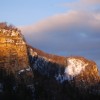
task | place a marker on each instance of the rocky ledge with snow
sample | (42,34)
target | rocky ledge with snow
(75,77)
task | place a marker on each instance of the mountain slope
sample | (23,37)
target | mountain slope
(27,73)
(75,77)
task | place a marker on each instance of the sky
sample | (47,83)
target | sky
(62,27)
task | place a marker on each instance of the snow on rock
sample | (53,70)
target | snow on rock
(33,53)
(21,71)
(74,68)
(24,70)
(41,65)
(61,78)
(28,69)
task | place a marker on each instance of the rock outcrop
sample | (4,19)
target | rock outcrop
(16,76)
(27,73)
(13,50)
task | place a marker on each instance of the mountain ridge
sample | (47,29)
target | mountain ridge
(27,73)
(84,81)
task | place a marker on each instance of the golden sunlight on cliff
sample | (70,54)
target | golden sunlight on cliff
(13,51)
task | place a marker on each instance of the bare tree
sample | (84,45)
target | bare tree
(4,25)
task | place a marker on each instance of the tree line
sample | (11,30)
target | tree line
(5,25)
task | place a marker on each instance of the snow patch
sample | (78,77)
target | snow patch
(24,70)
(28,69)
(21,71)
(61,78)
(74,68)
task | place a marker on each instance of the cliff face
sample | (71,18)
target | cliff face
(16,76)
(13,52)
(27,73)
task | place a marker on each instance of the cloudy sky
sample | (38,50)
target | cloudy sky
(63,27)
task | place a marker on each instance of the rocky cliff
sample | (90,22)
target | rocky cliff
(27,73)
(14,50)
(16,76)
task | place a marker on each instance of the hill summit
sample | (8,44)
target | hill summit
(27,73)
(14,50)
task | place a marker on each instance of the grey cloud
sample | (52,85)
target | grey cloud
(72,33)
(83,5)
(91,1)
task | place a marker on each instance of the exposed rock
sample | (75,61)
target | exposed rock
(16,76)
